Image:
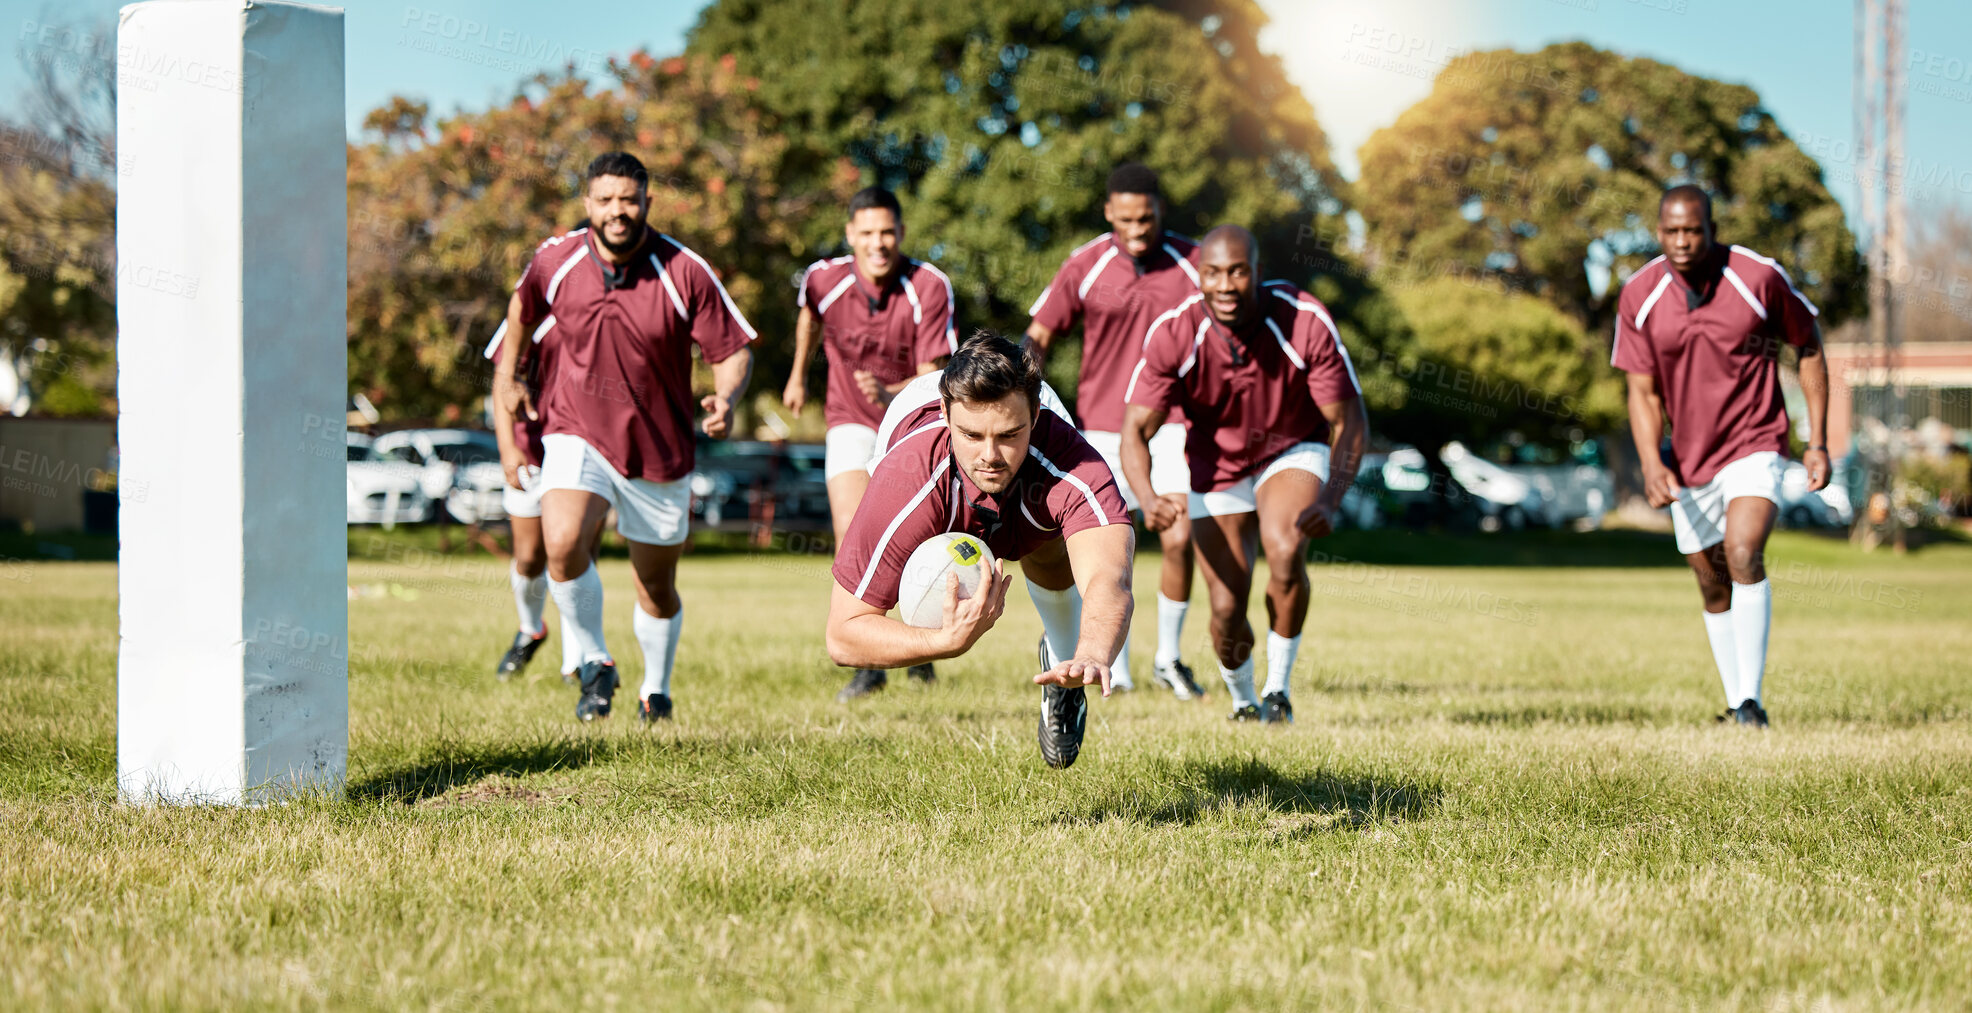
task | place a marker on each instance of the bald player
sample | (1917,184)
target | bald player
(883,318)
(1116,284)
(628,305)
(1277,433)
(1698,331)
(984,447)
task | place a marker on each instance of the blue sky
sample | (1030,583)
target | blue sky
(1360,63)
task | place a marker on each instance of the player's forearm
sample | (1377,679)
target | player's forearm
(1041,335)
(878,641)
(1348,437)
(1106,608)
(1138,425)
(731,374)
(804,342)
(1646,423)
(1814,389)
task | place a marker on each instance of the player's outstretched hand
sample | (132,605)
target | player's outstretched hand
(1660,487)
(718,416)
(1076,672)
(871,387)
(1316,521)
(967,620)
(1165,511)
(1818,469)
(795,395)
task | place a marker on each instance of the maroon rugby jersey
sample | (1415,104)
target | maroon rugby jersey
(1715,352)
(623,371)
(1251,395)
(889,332)
(918,490)
(1116,297)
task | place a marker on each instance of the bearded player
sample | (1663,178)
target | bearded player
(1116,284)
(1277,433)
(883,318)
(983,447)
(628,304)
(1698,331)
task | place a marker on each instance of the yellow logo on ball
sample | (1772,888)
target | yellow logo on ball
(965,551)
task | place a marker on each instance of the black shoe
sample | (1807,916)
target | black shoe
(515,660)
(1275,710)
(1064,716)
(1178,679)
(1751,713)
(654,708)
(598,686)
(1246,712)
(865,682)
(924,673)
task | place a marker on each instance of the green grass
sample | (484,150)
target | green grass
(1503,791)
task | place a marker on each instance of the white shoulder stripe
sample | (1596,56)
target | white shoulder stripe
(951,306)
(1813,310)
(1196,341)
(834,293)
(1284,346)
(677,301)
(1131,388)
(1751,300)
(1087,493)
(917,308)
(554,283)
(1183,264)
(1089,280)
(1643,312)
(876,556)
(739,317)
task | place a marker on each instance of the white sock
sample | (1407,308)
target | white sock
(659,639)
(1280,660)
(571,652)
(1119,669)
(581,604)
(1718,628)
(1170,624)
(1061,618)
(1752,614)
(1239,682)
(530,600)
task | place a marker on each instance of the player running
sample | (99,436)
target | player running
(1261,373)
(627,303)
(984,447)
(1699,332)
(884,318)
(1116,284)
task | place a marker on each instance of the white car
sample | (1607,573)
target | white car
(457,467)
(1504,499)
(382,492)
(1800,508)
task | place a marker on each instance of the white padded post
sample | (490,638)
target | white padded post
(233,671)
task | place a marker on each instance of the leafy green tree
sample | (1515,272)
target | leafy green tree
(1524,167)
(998,123)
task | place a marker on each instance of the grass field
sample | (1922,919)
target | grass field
(1504,790)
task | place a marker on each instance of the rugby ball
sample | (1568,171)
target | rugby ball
(921,594)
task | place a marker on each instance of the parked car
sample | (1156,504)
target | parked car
(459,468)
(1799,508)
(382,492)
(1503,499)
(734,479)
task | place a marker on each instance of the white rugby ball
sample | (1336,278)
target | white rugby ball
(921,594)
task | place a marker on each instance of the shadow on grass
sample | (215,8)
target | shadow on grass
(448,765)
(1193,793)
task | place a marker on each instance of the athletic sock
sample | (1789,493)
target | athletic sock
(530,600)
(1119,669)
(1718,629)
(1752,614)
(1170,625)
(1061,618)
(571,650)
(1280,660)
(581,602)
(1239,682)
(659,639)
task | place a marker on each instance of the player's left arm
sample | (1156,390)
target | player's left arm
(1348,436)
(1100,559)
(724,338)
(1813,370)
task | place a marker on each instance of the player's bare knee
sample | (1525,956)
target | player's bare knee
(1745,561)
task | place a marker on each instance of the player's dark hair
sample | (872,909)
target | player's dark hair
(1687,192)
(988,367)
(1134,177)
(618,163)
(875,197)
